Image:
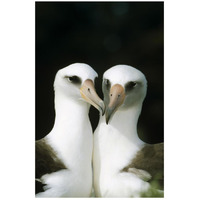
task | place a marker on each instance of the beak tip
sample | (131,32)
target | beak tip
(102,107)
(107,119)
(103,112)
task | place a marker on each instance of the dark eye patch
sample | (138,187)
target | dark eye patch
(74,79)
(130,85)
(107,84)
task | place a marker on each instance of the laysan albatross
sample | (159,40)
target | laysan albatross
(124,165)
(64,156)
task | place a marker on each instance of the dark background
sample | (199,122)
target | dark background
(101,34)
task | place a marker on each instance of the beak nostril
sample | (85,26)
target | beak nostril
(88,89)
(119,95)
(111,95)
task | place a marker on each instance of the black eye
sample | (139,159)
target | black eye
(73,79)
(107,83)
(130,85)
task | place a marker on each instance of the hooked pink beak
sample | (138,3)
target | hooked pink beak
(89,94)
(117,96)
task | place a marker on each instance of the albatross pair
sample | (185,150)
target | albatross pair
(122,162)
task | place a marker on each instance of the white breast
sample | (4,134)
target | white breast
(112,152)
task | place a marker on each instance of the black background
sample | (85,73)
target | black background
(101,34)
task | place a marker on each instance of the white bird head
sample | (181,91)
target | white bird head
(123,86)
(76,82)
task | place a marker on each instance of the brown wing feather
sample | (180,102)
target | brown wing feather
(46,160)
(151,159)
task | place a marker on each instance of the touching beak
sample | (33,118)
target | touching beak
(117,96)
(89,94)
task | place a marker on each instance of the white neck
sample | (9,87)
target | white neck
(71,135)
(68,110)
(125,122)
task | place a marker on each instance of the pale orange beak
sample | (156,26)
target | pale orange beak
(117,96)
(89,94)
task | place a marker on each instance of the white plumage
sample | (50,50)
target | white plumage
(64,156)
(116,142)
